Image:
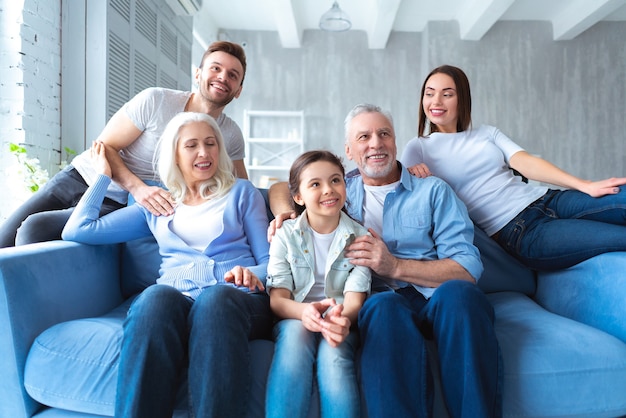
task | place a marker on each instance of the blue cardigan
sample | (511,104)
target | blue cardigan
(243,241)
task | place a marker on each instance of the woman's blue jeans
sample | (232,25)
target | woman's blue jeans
(396,378)
(565,227)
(166,332)
(302,356)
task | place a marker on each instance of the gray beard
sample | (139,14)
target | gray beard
(379,172)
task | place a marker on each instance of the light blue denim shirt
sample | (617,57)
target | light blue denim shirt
(292,260)
(423,220)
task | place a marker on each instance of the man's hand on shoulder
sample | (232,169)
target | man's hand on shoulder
(155,199)
(277,222)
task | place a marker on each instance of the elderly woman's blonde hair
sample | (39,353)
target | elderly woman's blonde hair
(169,172)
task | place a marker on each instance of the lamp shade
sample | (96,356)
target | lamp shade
(335,20)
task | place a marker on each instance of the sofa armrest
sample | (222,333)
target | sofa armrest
(41,285)
(592,292)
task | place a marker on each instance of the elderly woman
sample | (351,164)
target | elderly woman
(208,301)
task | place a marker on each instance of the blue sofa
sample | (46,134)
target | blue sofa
(562,334)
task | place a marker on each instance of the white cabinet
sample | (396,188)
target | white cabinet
(274,139)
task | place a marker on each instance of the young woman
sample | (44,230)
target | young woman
(317,293)
(544,228)
(209,300)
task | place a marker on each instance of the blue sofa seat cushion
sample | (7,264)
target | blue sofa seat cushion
(73,365)
(554,366)
(549,362)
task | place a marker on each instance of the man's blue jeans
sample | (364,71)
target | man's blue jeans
(43,216)
(565,227)
(396,379)
(302,356)
(165,332)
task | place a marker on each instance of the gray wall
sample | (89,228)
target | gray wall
(562,100)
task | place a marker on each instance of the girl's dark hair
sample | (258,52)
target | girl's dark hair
(464,106)
(301,163)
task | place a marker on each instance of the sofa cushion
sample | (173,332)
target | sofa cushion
(73,366)
(554,366)
(575,292)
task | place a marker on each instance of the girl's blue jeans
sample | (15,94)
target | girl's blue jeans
(165,333)
(565,227)
(302,356)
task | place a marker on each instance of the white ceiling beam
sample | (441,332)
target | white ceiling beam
(581,15)
(478,16)
(289,30)
(383,16)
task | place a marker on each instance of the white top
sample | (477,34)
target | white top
(475,164)
(373,205)
(199,235)
(321,245)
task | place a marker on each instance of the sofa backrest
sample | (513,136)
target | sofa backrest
(139,264)
(502,271)
(140,261)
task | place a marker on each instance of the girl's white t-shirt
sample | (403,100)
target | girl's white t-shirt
(321,245)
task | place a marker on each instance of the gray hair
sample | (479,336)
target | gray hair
(363,108)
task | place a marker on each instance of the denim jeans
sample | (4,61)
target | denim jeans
(43,216)
(165,332)
(396,378)
(565,227)
(300,356)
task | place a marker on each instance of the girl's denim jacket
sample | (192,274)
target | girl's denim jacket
(292,260)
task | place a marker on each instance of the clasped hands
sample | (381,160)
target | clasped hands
(326,318)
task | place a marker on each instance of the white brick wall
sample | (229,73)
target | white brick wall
(30,81)
(30,87)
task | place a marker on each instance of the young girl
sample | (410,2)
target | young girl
(317,293)
(545,229)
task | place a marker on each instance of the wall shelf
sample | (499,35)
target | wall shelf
(274,139)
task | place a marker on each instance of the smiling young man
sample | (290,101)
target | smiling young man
(131,137)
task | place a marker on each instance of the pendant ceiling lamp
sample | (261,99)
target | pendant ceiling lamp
(335,20)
